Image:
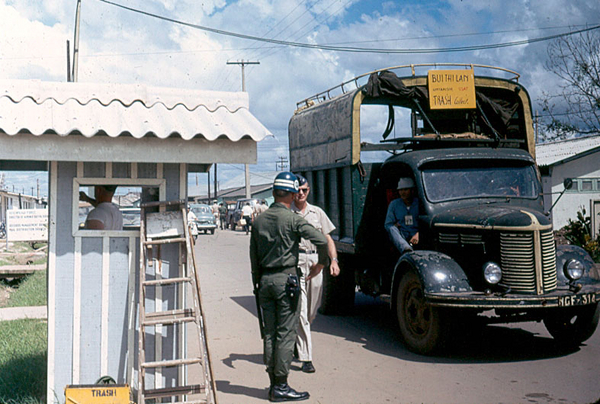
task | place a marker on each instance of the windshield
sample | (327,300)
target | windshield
(201,210)
(446,184)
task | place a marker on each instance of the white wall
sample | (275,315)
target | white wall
(571,202)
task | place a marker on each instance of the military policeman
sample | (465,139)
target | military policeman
(274,246)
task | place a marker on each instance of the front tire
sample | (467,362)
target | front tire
(419,322)
(572,326)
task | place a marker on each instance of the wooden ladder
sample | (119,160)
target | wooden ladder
(163,223)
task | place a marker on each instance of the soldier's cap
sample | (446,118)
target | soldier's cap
(301,180)
(405,182)
(286,181)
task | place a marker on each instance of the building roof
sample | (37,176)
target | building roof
(240,192)
(235,187)
(39,108)
(548,154)
(256,178)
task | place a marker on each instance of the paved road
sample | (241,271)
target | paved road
(360,360)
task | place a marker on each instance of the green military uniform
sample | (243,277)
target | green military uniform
(274,244)
(222,216)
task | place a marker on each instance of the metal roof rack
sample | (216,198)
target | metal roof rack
(326,95)
(413,143)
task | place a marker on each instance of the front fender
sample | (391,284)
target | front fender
(566,252)
(438,272)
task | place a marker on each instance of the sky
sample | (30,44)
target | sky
(122,46)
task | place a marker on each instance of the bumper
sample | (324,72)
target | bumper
(206,226)
(589,294)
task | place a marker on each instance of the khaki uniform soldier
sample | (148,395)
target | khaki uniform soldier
(312,291)
(274,245)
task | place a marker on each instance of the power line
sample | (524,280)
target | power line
(313,27)
(354,49)
(310,21)
(465,34)
(280,21)
(260,46)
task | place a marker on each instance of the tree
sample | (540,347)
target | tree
(576,61)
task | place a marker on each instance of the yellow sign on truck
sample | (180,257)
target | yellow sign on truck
(451,89)
(98,394)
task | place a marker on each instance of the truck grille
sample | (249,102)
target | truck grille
(518,261)
(550,280)
(460,238)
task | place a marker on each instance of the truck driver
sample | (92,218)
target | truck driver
(402,216)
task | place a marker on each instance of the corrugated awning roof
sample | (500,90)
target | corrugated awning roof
(548,154)
(39,108)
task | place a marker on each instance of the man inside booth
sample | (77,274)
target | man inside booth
(401,221)
(105,215)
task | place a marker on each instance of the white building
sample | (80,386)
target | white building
(13,200)
(578,159)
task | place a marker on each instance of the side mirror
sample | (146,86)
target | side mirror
(568,183)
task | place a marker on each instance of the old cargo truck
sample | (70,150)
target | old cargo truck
(486,251)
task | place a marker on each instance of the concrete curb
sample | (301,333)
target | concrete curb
(17,313)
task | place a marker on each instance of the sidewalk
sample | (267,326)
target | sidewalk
(17,313)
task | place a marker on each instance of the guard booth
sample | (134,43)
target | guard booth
(130,136)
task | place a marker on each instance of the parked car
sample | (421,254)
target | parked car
(205,220)
(237,212)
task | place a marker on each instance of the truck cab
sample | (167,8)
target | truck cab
(486,244)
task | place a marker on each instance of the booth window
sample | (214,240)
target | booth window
(128,196)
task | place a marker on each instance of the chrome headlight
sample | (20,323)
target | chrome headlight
(492,273)
(573,269)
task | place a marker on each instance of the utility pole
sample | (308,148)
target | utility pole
(68,62)
(208,182)
(246,166)
(215,187)
(281,164)
(76,42)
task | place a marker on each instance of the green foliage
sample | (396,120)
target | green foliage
(30,292)
(23,359)
(23,343)
(578,233)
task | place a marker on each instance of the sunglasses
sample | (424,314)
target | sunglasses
(303,190)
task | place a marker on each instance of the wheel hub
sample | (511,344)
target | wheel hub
(417,312)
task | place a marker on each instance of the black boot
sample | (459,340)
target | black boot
(281,391)
(272,382)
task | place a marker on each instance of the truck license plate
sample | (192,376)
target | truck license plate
(577,300)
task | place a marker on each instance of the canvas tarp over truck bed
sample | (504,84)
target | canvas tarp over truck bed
(327,135)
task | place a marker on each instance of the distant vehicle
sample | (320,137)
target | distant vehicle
(237,212)
(205,220)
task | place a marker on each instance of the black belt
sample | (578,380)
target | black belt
(285,270)
(307,251)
